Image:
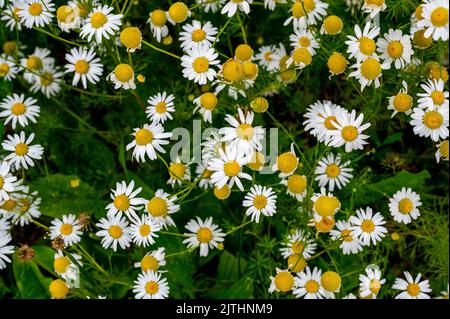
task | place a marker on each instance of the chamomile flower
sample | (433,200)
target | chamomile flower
(147,140)
(68,228)
(412,288)
(5,250)
(196,35)
(25,206)
(308,284)
(306,13)
(337,64)
(8,68)
(350,244)
(179,172)
(370,283)
(160,207)
(209,5)
(331,283)
(5,225)
(152,260)
(160,107)
(131,38)
(402,102)
(35,13)
(157,20)
(34,64)
(325,204)
(332,25)
(373,7)
(85,64)
(395,47)
(84,7)
(101,23)
(18,110)
(122,77)
(431,123)
(22,153)
(11,17)
(203,234)
(296,186)
(66,265)
(68,17)
(150,285)
(205,105)
(435,95)
(227,169)
(303,38)
(330,171)
(301,57)
(368,226)
(442,151)
(197,64)
(362,45)
(260,200)
(368,71)
(349,131)
(287,163)
(143,230)
(266,57)
(125,200)
(435,20)
(404,205)
(233,6)
(271,4)
(242,135)
(48,81)
(298,242)
(282,282)
(114,231)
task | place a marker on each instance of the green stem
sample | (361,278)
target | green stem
(161,50)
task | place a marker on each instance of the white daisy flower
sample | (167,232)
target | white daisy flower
(242,135)
(395,47)
(197,64)
(11,17)
(350,244)
(362,45)
(68,228)
(35,13)
(368,71)
(287,163)
(147,140)
(227,169)
(157,20)
(48,81)
(374,7)
(25,207)
(204,174)
(205,105)
(300,243)
(303,38)
(84,6)
(260,200)
(85,64)
(296,186)
(179,172)
(101,24)
(348,131)
(402,102)
(5,226)
(5,250)
(404,205)
(114,231)
(144,230)
(412,288)
(150,285)
(8,68)
(233,6)
(267,57)
(67,265)
(330,171)
(125,200)
(160,207)
(282,282)
(370,283)
(434,96)
(315,11)
(435,19)
(271,4)
(34,63)
(19,110)
(301,57)
(203,234)
(8,182)
(22,153)
(68,17)
(431,123)
(122,77)
(325,204)
(368,226)
(197,35)
(152,260)
(442,151)
(160,107)
(209,5)
(308,284)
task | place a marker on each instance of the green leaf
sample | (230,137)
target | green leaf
(140,183)
(31,283)
(228,268)
(44,256)
(392,138)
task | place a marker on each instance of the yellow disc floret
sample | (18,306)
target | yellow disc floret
(243,52)
(123,72)
(178,12)
(337,63)
(333,25)
(131,37)
(284,281)
(330,280)
(58,289)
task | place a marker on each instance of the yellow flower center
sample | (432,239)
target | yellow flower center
(367,46)
(232,70)
(18,109)
(9,47)
(413,289)
(438,97)
(438,72)
(312,286)
(83,10)
(58,289)
(115,231)
(158,18)
(66,229)
(325,224)
(200,65)
(337,63)
(345,235)
(82,67)
(131,37)
(395,49)
(260,202)
(149,263)
(143,136)
(302,55)
(65,14)
(284,281)
(368,226)
(122,202)
(433,119)
(439,17)
(177,170)
(98,19)
(34,63)
(402,102)
(157,207)
(420,40)
(418,13)
(374,286)
(144,230)
(287,162)
(304,41)
(405,206)
(46,79)
(244,131)
(123,72)
(243,52)
(328,124)
(332,171)
(296,263)
(330,280)
(268,56)
(60,264)
(35,9)
(296,184)
(204,235)
(297,247)
(444,149)
(259,104)
(297,8)
(151,287)
(2,181)
(208,101)
(349,133)
(9,205)
(326,205)
(4,69)
(333,25)
(21,149)
(222,193)
(371,69)
(198,35)
(178,12)
(161,107)
(250,70)
(377,3)
(231,168)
